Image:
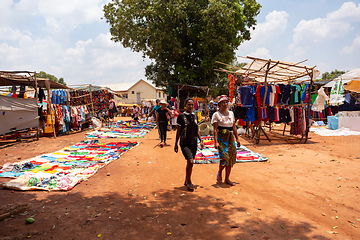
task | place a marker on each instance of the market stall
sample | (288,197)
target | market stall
(266,92)
(179,92)
(20,112)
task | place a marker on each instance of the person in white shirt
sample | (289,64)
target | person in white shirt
(225,133)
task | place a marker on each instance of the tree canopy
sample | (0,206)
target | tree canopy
(183,38)
(331,75)
(43,74)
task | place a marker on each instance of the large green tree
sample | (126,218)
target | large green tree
(183,38)
(43,74)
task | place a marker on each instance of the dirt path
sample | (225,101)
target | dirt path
(304,191)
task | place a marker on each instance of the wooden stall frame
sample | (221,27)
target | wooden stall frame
(285,72)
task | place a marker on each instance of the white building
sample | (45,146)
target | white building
(135,93)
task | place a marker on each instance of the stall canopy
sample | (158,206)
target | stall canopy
(262,70)
(353,75)
(26,78)
(353,86)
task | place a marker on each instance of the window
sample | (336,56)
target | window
(125,95)
(159,94)
(132,92)
(163,95)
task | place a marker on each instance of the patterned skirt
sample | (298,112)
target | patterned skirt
(227,149)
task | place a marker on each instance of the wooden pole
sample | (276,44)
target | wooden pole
(36,97)
(259,130)
(50,108)
(92,104)
(308,106)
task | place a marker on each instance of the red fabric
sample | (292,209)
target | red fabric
(241,122)
(276,94)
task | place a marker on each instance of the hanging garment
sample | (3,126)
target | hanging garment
(41,95)
(277,94)
(285,91)
(246,96)
(337,96)
(298,126)
(305,93)
(262,93)
(271,114)
(250,114)
(272,96)
(319,103)
(240,112)
(231,87)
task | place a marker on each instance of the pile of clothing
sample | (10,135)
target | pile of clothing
(63,169)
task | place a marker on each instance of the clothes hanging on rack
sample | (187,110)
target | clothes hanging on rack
(298,125)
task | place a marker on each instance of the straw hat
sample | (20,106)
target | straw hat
(163,102)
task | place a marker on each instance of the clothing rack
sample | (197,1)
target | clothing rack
(267,71)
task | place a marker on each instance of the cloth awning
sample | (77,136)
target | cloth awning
(17,114)
(332,83)
(278,70)
(270,70)
(346,77)
(353,86)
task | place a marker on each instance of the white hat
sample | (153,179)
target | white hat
(163,102)
(211,101)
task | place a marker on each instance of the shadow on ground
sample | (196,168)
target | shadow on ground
(163,215)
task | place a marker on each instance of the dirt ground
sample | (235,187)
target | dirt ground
(304,191)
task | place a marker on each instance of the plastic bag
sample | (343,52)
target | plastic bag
(97,123)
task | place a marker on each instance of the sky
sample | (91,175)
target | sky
(69,38)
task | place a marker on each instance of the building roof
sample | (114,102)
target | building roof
(119,87)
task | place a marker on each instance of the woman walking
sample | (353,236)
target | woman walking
(162,121)
(224,133)
(188,132)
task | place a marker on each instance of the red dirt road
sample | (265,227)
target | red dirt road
(304,191)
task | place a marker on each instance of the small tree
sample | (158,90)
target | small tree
(43,74)
(331,75)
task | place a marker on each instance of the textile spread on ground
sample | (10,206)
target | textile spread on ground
(325,131)
(122,130)
(210,155)
(63,169)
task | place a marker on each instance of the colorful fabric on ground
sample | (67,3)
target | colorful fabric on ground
(123,130)
(63,169)
(210,155)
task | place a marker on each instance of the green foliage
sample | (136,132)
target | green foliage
(331,75)
(43,74)
(183,38)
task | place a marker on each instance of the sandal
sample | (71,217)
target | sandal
(218,178)
(190,186)
(230,183)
